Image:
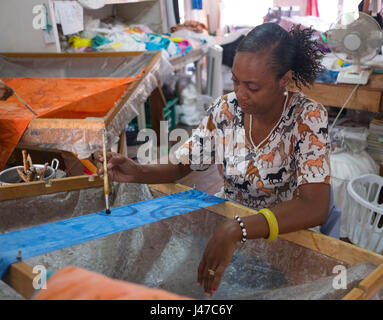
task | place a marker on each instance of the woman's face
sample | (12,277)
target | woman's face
(256,87)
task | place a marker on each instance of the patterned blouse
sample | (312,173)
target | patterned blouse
(297,151)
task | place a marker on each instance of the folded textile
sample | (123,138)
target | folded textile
(74,283)
(99,40)
(78,42)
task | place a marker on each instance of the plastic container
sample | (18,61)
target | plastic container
(170,113)
(365,220)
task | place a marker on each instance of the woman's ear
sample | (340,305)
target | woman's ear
(286,79)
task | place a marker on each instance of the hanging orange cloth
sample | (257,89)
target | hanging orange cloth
(74,283)
(60,98)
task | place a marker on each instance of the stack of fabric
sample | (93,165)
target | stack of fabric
(117,36)
(375,140)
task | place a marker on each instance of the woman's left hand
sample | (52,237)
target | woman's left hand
(217,256)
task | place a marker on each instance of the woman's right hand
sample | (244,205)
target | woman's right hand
(120,168)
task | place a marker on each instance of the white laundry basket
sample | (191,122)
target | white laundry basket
(365,221)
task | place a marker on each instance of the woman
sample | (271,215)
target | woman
(285,166)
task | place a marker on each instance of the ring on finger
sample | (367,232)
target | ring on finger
(211,272)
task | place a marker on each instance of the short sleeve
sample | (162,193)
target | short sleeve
(312,145)
(199,149)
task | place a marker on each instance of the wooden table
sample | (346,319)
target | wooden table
(367,97)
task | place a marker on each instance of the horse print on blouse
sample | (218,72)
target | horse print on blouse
(268,158)
(315,142)
(316,114)
(283,190)
(317,163)
(275,176)
(282,154)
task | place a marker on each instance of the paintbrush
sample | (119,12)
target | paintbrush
(24,103)
(106,182)
(20,99)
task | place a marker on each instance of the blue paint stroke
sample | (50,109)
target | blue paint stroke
(35,241)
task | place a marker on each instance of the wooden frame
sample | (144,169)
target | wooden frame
(91,124)
(19,275)
(157,103)
(36,188)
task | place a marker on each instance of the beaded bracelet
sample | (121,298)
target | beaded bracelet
(244,233)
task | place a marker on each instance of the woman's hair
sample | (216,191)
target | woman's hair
(295,50)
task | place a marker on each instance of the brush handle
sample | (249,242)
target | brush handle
(24,103)
(106,182)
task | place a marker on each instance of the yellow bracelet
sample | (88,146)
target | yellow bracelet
(273,223)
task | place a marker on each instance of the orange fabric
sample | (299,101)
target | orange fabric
(11,131)
(62,98)
(74,283)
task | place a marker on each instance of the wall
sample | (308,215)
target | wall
(17,33)
(244,12)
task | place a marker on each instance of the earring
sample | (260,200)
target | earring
(285,92)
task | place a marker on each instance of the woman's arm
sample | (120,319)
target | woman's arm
(309,210)
(124,169)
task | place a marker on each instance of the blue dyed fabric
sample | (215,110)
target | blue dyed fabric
(156,42)
(49,237)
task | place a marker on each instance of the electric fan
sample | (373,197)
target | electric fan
(355,38)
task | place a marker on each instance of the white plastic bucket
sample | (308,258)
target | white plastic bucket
(365,219)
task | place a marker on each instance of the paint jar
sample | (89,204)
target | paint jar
(10,175)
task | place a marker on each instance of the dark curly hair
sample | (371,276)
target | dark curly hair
(295,50)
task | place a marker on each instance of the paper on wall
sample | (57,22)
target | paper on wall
(71,16)
(57,15)
(49,36)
